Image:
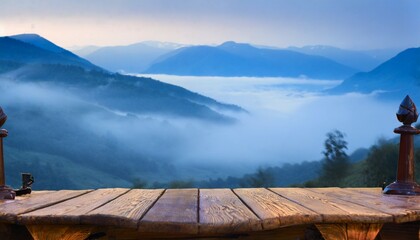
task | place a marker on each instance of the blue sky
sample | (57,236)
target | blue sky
(352,24)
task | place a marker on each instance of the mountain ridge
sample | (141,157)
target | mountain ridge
(24,52)
(238,59)
(399,75)
(29,62)
(133,58)
(356,59)
(69,120)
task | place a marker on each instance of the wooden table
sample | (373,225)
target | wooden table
(259,213)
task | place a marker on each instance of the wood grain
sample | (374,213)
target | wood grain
(363,231)
(370,191)
(333,210)
(284,213)
(174,212)
(358,231)
(69,212)
(221,211)
(58,232)
(333,231)
(274,210)
(402,208)
(10,209)
(124,211)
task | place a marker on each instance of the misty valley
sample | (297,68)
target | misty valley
(76,125)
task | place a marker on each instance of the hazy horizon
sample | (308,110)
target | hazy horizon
(357,25)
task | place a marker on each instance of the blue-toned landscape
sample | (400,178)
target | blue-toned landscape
(150,109)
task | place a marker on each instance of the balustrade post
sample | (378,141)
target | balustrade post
(405,183)
(5,191)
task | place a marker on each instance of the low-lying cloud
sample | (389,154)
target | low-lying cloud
(284,124)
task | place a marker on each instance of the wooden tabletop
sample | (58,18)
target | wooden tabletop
(202,211)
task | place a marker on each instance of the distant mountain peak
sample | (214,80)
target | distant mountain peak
(228,43)
(38,41)
(163,45)
(233,44)
(32,48)
(26,35)
(319,47)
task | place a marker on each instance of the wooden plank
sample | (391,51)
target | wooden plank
(221,211)
(124,211)
(174,212)
(69,212)
(10,209)
(333,210)
(274,210)
(368,191)
(402,208)
(320,206)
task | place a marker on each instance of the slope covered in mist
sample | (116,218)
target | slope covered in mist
(26,62)
(72,120)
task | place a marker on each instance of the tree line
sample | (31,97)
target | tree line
(377,169)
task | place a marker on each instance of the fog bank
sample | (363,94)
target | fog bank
(287,123)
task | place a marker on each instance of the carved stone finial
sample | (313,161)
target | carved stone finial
(407,113)
(3,117)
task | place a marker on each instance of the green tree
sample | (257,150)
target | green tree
(181,184)
(262,178)
(139,183)
(336,162)
(381,164)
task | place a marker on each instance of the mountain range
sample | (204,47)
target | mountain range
(235,59)
(394,78)
(33,58)
(357,59)
(76,125)
(239,59)
(134,58)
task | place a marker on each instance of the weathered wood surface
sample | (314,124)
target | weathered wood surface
(356,213)
(175,212)
(401,208)
(124,211)
(221,211)
(70,211)
(274,210)
(10,209)
(333,210)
